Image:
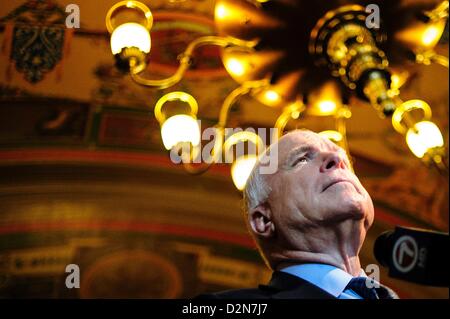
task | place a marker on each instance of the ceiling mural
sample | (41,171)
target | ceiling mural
(164,267)
(35,39)
(85,178)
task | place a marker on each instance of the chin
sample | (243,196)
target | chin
(353,206)
(348,203)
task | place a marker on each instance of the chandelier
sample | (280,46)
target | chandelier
(304,59)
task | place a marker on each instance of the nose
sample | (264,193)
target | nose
(331,161)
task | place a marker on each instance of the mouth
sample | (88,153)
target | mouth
(335,182)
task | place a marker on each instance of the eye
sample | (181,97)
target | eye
(301,160)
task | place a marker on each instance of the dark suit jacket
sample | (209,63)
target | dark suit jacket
(281,286)
(285,286)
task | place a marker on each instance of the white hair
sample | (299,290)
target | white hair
(257,189)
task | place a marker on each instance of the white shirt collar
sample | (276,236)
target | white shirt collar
(329,278)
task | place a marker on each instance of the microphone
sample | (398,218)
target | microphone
(415,255)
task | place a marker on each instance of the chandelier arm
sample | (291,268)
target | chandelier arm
(286,115)
(162,83)
(185,60)
(229,101)
(439,59)
(408,119)
(196,170)
(213,156)
(187,161)
(431,56)
(443,165)
(438,161)
(440,12)
(281,122)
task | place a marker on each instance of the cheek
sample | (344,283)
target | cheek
(366,196)
(280,199)
(360,187)
(290,196)
(301,191)
(370,210)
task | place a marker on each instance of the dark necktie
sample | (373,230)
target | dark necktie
(358,285)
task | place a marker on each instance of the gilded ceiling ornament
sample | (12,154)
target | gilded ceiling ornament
(36,39)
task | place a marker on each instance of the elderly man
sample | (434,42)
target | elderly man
(309,220)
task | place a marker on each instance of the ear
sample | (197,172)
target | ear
(260,220)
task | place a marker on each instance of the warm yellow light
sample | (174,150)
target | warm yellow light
(180,128)
(332,135)
(129,35)
(430,35)
(295,115)
(327,107)
(271,96)
(398,79)
(241,169)
(427,136)
(243,165)
(325,99)
(221,11)
(235,67)
(395,80)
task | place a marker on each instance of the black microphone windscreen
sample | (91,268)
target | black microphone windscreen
(382,248)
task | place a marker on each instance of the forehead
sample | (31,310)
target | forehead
(298,139)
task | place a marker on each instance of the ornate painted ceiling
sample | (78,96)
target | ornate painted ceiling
(84,176)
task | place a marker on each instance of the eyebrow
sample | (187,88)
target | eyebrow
(298,150)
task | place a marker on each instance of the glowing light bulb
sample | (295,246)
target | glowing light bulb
(327,107)
(129,35)
(427,136)
(430,35)
(221,12)
(180,128)
(271,96)
(235,67)
(325,100)
(395,81)
(241,170)
(398,79)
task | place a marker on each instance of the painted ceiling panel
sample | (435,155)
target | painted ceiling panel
(85,123)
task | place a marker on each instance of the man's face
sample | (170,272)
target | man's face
(314,184)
